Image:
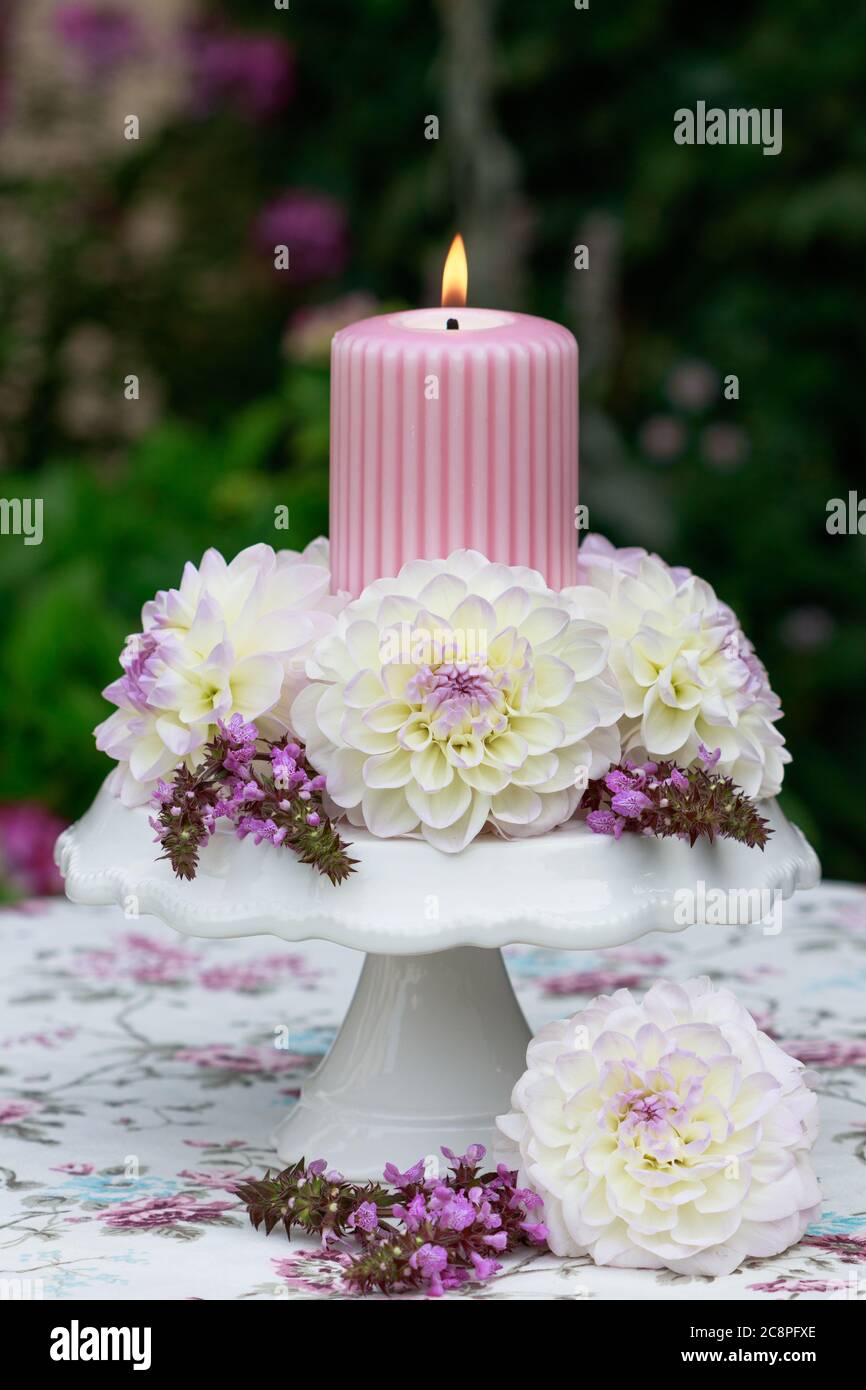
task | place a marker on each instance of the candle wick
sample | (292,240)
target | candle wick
(452,323)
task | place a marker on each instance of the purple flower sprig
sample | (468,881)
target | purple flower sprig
(309,1197)
(660,798)
(412,1233)
(266,788)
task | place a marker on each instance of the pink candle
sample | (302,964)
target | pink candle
(444,437)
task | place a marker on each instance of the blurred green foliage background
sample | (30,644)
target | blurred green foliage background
(154,257)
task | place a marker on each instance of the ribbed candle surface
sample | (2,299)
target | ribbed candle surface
(444,438)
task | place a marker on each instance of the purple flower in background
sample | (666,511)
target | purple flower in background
(253,73)
(692,385)
(103,35)
(806,628)
(724,447)
(312,226)
(27,835)
(662,438)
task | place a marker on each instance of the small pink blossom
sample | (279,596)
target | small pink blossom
(151,1212)
(225,1179)
(794,1286)
(591,982)
(846,1246)
(820,1052)
(215,1057)
(11,1111)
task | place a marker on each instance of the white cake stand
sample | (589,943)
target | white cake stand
(434,1038)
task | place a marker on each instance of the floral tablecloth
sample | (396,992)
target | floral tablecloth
(141,1074)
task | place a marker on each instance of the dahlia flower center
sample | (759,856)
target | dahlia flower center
(459,696)
(648,1121)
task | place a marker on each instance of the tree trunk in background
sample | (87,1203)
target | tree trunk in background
(491,211)
(618,492)
(592,299)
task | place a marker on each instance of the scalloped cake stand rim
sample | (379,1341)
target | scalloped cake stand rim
(434,1037)
(568,889)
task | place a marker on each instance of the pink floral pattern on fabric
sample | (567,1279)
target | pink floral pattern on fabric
(142,1074)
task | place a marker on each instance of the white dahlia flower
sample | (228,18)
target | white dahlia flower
(687,673)
(232,639)
(666,1134)
(459,693)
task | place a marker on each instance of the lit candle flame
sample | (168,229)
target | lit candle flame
(455,276)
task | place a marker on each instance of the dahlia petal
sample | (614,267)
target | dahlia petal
(517,805)
(430,768)
(540,732)
(664,729)
(356,732)
(392,769)
(363,644)
(178,738)
(150,759)
(443,593)
(554,680)
(303,711)
(507,750)
(757,1094)
(256,683)
(387,716)
(440,809)
(511,607)
(345,771)
(365,689)
(387,813)
(453,838)
(486,778)
(474,615)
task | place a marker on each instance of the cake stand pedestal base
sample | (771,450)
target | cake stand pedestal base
(427,1055)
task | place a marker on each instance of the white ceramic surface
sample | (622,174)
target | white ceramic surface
(427,1055)
(434,1038)
(569,889)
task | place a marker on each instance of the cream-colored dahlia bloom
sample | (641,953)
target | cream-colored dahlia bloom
(687,673)
(232,639)
(670,1133)
(459,693)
